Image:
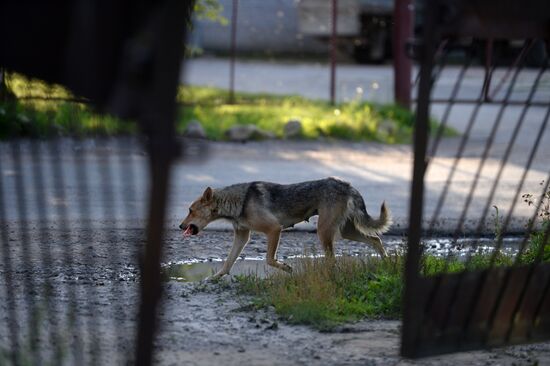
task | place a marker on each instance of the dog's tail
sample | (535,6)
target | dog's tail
(368,225)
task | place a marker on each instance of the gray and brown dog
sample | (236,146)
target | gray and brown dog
(269,208)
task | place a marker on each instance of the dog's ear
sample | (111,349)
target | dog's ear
(207,195)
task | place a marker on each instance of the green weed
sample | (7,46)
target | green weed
(538,248)
(325,292)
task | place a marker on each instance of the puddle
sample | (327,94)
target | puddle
(194,271)
(463,247)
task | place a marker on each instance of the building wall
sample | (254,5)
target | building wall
(263,26)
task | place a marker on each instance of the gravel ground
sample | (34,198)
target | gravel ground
(200,324)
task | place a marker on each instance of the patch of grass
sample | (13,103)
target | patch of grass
(356,120)
(40,110)
(323,292)
(19,119)
(43,110)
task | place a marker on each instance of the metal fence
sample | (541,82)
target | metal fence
(474,297)
(79,250)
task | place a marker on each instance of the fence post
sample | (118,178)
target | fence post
(421,130)
(233,45)
(158,122)
(334,18)
(402,64)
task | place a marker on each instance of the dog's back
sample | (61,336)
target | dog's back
(293,203)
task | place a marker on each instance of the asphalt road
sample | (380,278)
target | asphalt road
(72,181)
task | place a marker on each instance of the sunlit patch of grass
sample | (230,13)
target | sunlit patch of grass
(43,109)
(356,120)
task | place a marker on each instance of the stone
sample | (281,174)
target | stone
(387,127)
(292,129)
(194,129)
(242,133)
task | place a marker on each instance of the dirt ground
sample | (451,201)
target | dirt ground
(200,324)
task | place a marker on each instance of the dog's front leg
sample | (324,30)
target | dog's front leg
(241,238)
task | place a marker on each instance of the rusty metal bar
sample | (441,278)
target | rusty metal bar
(540,306)
(59,174)
(157,119)
(81,162)
(402,64)
(29,285)
(528,45)
(411,320)
(46,254)
(489,45)
(7,263)
(450,104)
(492,102)
(333,46)
(232,52)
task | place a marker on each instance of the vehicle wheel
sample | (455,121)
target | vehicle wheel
(537,54)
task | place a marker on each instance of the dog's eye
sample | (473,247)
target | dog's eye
(190,211)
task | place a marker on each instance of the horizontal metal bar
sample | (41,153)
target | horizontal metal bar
(494,102)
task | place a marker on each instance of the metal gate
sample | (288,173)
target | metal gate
(69,205)
(486,289)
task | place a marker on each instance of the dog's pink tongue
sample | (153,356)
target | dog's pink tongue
(187,232)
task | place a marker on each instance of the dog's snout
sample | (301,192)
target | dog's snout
(182,226)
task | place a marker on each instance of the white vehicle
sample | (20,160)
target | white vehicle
(363,26)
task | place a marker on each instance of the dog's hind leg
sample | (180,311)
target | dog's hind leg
(273,237)
(242,236)
(327,227)
(350,232)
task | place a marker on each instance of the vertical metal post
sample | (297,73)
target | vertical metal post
(334,18)
(233,45)
(488,71)
(5,93)
(402,64)
(157,120)
(421,130)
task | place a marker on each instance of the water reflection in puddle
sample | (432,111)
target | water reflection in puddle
(463,247)
(195,270)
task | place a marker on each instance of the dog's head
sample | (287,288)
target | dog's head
(201,212)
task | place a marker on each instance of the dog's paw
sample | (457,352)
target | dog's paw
(285,267)
(215,277)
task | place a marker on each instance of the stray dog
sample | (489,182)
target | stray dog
(269,208)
